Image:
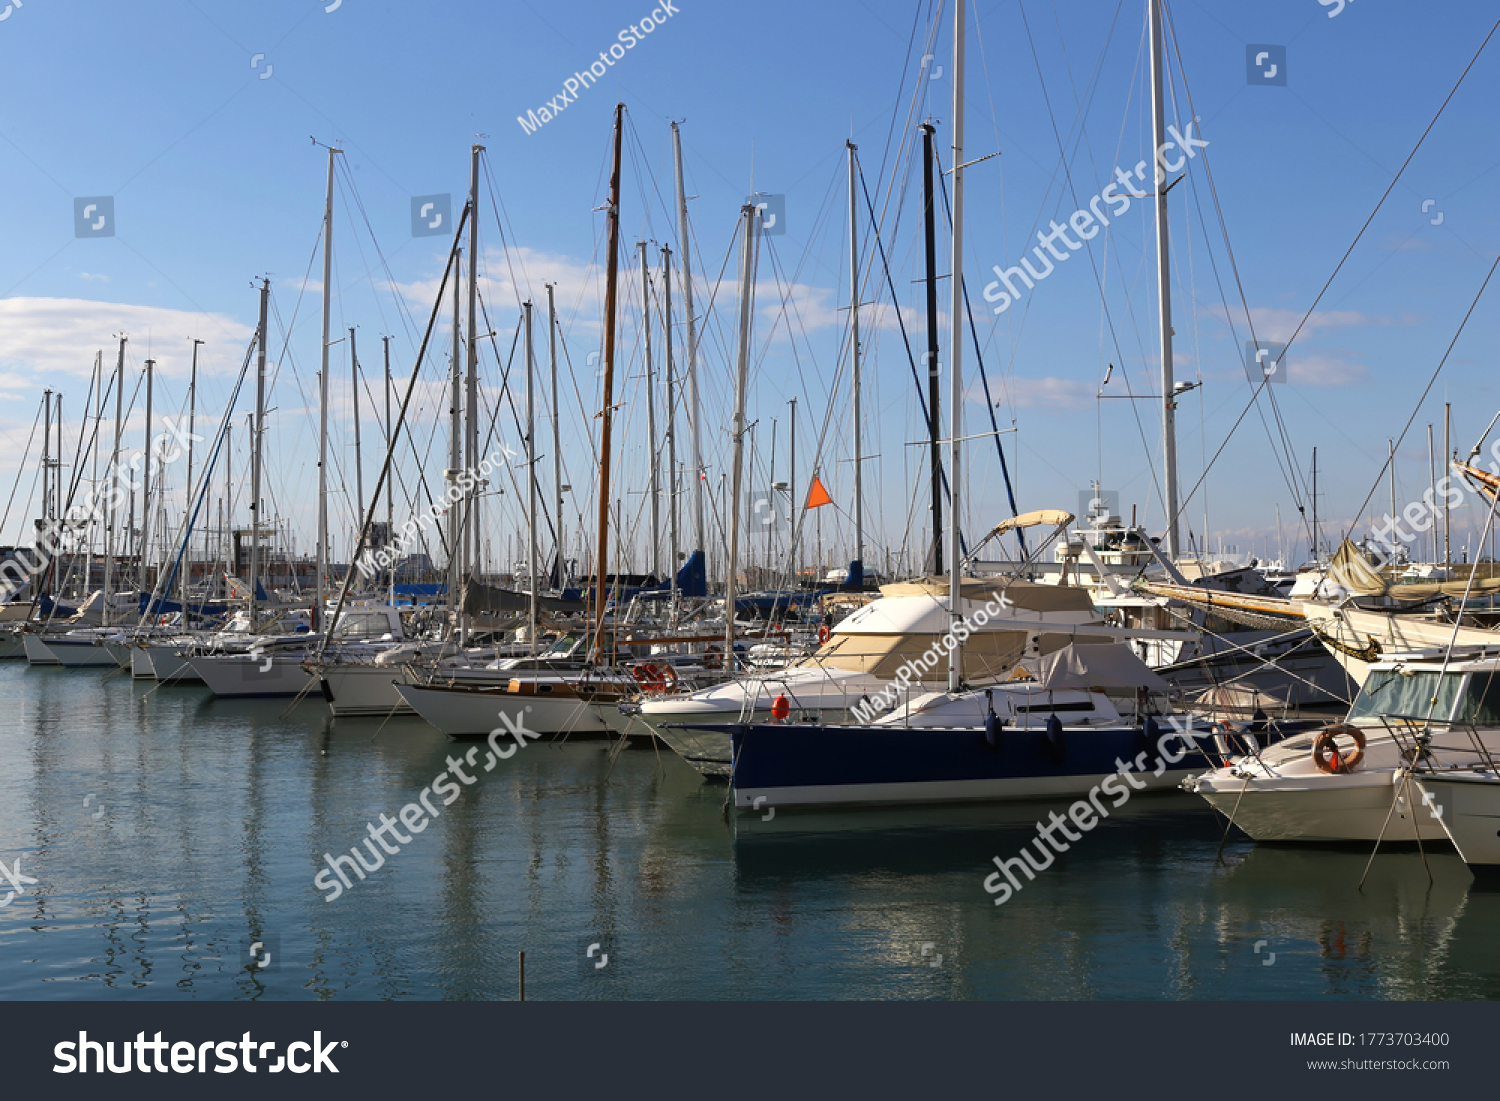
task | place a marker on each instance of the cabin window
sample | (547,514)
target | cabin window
(1407,696)
(1057,708)
(1481,703)
(362,625)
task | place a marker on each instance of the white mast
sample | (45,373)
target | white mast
(747,270)
(955,347)
(390,511)
(471,420)
(187,566)
(359,474)
(651,419)
(1163,283)
(256,433)
(455,460)
(321,581)
(114,476)
(531,477)
(859,495)
(142,562)
(673,537)
(557,490)
(699,530)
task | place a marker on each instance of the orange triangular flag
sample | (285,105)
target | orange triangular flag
(817,495)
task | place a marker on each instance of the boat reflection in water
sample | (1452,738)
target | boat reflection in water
(1138,908)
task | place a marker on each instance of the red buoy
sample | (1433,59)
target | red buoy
(781,707)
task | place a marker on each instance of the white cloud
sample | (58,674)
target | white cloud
(42,337)
(1272,323)
(1046,393)
(1316,369)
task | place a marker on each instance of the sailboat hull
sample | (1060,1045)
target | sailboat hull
(1469,803)
(37,652)
(467,712)
(251,676)
(787,765)
(364,690)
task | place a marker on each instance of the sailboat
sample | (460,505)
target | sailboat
(572,687)
(962,743)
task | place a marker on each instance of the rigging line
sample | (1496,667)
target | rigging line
(369,517)
(1391,187)
(932,28)
(984,378)
(1417,408)
(353,200)
(509,394)
(907,130)
(1073,189)
(1276,452)
(1290,472)
(20,470)
(496,209)
(915,375)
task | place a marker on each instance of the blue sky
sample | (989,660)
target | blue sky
(196,118)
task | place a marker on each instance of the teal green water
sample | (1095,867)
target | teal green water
(168,833)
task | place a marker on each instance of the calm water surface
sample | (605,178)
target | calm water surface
(169,833)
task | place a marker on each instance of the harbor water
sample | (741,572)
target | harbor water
(174,841)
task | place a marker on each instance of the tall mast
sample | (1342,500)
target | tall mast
(1447,512)
(114,476)
(1432,481)
(256,434)
(455,461)
(859,494)
(390,511)
(531,475)
(47,454)
(321,584)
(673,537)
(700,531)
(42,532)
(791,497)
(359,474)
(187,571)
(929,215)
(651,419)
(955,347)
(1163,284)
(557,490)
(471,419)
(145,545)
(98,386)
(747,267)
(612,273)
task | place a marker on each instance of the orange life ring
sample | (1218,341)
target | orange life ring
(1325,752)
(824,634)
(654,677)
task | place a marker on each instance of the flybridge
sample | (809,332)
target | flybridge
(625,40)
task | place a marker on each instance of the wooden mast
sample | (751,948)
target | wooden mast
(601,557)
